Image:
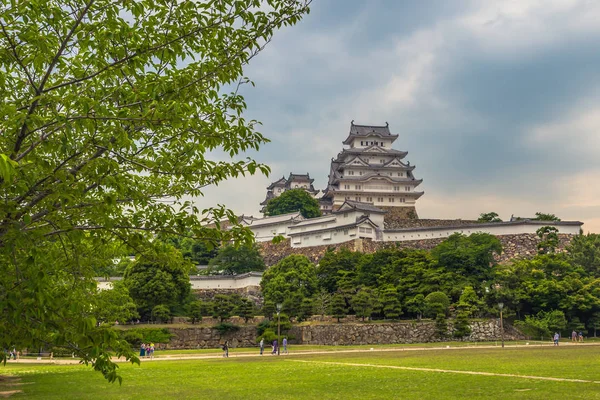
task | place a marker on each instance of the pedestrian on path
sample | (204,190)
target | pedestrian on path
(226,349)
(581,337)
(262,346)
(274,347)
(556,337)
(573,336)
(285,350)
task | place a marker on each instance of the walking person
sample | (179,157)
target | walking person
(556,337)
(262,346)
(285,350)
(581,337)
(274,347)
(573,336)
(151,351)
(143,350)
(226,349)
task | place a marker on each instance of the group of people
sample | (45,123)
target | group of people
(147,350)
(274,346)
(14,354)
(575,337)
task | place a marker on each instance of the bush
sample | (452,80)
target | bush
(225,327)
(441,326)
(138,336)
(161,313)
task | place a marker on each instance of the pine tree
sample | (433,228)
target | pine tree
(391,305)
(338,307)
(461,325)
(441,325)
(363,304)
(246,310)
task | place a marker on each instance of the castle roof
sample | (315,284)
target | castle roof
(368,130)
(358,205)
(280,182)
(371,150)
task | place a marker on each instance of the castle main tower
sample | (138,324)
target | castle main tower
(370,170)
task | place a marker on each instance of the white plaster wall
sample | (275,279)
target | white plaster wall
(224,282)
(211,282)
(331,237)
(492,230)
(265,233)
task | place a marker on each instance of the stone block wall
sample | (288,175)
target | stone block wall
(394,332)
(515,246)
(206,337)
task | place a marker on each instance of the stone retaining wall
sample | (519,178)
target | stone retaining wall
(398,332)
(204,337)
(515,246)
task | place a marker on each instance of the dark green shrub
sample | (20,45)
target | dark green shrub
(226,327)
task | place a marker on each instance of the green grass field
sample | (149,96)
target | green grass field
(374,375)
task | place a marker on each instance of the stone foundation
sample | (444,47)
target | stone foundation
(203,337)
(398,332)
(515,246)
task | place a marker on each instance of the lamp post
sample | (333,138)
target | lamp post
(501,306)
(278,326)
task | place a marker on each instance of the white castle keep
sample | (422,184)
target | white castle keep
(372,194)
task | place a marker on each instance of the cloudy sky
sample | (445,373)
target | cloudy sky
(497,102)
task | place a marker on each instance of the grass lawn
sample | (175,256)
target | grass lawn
(329,376)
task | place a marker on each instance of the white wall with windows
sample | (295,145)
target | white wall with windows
(496,229)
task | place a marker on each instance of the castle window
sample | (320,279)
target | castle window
(317,236)
(382,161)
(407,188)
(400,173)
(347,187)
(357,198)
(361,143)
(396,188)
(382,144)
(357,187)
(345,231)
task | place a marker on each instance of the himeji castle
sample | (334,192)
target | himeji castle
(369,170)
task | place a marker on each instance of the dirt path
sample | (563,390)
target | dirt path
(232,354)
(451,371)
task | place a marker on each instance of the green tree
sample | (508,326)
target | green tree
(584,252)
(293,277)
(545,217)
(322,302)
(195,311)
(114,305)
(363,303)
(161,313)
(108,108)
(392,308)
(548,239)
(417,306)
(158,281)
(594,322)
(437,303)
(333,265)
(461,325)
(232,260)
(469,302)
(489,217)
(294,200)
(338,307)
(268,309)
(471,256)
(306,309)
(245,310)
(222,307)
(441,325)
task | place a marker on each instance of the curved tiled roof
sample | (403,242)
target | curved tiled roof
(368,130)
